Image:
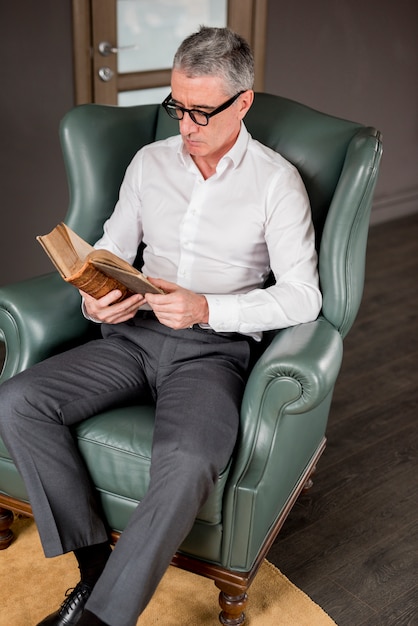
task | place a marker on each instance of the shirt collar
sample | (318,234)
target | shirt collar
(233,156)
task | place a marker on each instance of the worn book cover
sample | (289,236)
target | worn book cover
(94,271)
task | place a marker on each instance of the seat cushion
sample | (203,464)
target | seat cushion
(116,446)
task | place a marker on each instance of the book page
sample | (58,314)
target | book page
(58,246)
(109,259)
(81,247)
(125,273)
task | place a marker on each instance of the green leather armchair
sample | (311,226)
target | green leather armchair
(288,396)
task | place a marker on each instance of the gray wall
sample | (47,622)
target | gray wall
(36,90)
(354,58)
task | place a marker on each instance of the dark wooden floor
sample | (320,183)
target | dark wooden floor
(352,543)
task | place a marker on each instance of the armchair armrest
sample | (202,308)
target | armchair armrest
(307,358)
(283,420)
(38,317)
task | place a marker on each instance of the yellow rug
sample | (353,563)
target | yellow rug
(31,587)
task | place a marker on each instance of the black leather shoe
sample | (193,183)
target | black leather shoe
(71,609)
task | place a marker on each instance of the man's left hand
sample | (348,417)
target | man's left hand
(178,307)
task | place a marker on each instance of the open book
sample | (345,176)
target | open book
(94,271)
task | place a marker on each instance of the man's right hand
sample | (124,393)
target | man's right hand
(108,310)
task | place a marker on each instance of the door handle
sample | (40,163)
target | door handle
(105,48)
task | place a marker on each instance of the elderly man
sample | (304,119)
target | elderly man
(217,212)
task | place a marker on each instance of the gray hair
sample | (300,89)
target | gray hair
(217,52)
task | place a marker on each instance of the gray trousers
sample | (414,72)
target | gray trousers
(196,379)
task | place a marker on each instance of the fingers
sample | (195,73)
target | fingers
(180,308)
(107,309)
(165,285)
(176,321)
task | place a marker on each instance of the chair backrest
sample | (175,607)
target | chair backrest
(337,159)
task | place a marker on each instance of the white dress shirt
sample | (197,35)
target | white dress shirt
(221,237)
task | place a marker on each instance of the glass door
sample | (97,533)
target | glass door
(148,35)
(123,49)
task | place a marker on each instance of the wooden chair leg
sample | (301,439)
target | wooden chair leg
(6,534)
(309,482)
(232,613)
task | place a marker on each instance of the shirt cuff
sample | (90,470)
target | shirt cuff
(86,315)
(223,313)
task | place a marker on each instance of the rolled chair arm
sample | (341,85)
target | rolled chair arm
(39,317)
(308,356)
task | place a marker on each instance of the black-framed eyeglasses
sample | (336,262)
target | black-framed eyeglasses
(198,117)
